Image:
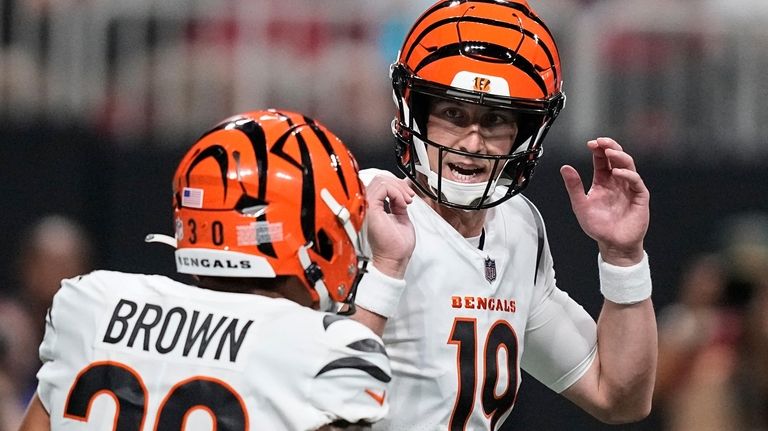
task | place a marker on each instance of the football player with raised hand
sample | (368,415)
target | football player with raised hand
(477,85)
(268,209)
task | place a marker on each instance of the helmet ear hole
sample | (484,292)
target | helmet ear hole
(324,245)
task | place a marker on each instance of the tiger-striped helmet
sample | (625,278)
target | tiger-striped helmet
(495,53)
(267,194)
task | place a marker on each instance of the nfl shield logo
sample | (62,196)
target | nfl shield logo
(490,269)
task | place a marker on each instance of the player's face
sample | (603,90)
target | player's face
(471,128)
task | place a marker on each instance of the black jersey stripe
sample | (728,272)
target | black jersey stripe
(540,232)
(365,345)
(358,364)
(368,345)
(330,319)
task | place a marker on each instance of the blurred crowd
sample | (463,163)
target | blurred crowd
(52,248)
(713,340)
(152,70)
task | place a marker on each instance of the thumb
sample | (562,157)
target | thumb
(573,184)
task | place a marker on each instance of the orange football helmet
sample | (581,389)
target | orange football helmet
(270,193)
(494,53)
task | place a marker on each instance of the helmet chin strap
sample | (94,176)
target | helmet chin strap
(343,217)
(453,191)
(311,270)
(326,304)
(460,193)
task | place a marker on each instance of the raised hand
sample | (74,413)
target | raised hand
(390,232)
(615,210)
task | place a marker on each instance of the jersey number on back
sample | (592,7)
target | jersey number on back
(500,336)
(127,388)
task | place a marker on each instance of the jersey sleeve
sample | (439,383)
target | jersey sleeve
(560,337)
(352,382)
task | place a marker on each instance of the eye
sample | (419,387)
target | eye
(455,115)
(452,113)
(495,119)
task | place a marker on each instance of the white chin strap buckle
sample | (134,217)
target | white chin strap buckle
(315,277)
(158,237)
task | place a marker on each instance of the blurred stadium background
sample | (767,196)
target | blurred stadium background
(98,99)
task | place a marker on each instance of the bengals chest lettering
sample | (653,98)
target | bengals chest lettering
(483,303)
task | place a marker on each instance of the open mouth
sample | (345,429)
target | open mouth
(466,173)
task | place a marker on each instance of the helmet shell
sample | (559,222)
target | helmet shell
(247,197)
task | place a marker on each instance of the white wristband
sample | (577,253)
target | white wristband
(625,284)
(379,293)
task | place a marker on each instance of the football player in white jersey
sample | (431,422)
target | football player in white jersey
(477,85)
(268,207)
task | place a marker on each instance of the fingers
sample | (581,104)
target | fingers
(620,159)
(388,194)
(631,178)
(398,202)
(602,151)
(610,161)
(573,184)
(604,143)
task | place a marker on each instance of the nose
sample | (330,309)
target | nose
(473,141)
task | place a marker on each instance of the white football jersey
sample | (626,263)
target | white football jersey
(144,352)
(472,316)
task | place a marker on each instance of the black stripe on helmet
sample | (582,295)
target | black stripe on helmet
(488,52)
(479,20)
(321,135)
(517,6)
(258,138)
(308,177)
(255,134)
(219,154)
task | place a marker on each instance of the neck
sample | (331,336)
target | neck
(467,223)
(279,287)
